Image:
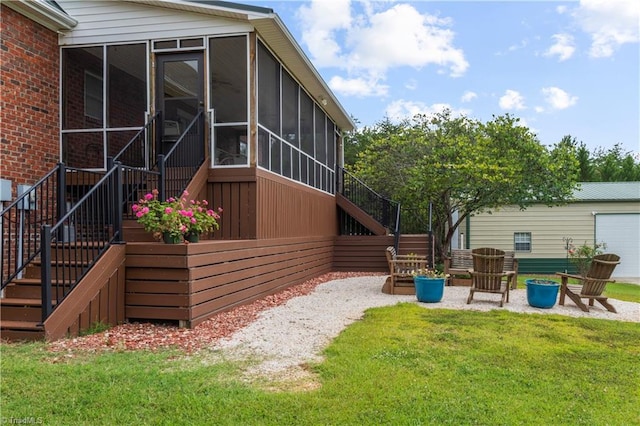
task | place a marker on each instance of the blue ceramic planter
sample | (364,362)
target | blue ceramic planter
(429,290)
(542,293)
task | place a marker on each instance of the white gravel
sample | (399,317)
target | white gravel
(285,338)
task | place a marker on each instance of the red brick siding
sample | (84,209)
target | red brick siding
(29,114)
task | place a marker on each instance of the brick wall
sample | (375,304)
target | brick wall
(29,115)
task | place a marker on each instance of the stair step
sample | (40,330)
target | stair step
(15,301)
(21,330)
(70,272)
(32,291)
(21,309)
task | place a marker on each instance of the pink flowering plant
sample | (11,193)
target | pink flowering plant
(175,216)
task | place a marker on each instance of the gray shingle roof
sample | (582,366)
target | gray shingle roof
(608,191)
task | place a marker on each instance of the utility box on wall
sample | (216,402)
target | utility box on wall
(5,190)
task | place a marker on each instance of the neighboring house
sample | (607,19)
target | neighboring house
(602,212)
(212,96)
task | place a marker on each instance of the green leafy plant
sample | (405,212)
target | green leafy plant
(175,216)
(429,273)
(581,256)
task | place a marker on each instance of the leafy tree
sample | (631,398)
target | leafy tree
(612,165)
(465,166)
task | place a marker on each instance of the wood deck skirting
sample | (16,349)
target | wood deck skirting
(98,298)
(367,253)
(191,282)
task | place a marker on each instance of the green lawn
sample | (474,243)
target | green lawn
(621,291)
(401,365)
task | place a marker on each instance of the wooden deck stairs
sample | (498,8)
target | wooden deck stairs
(21,306)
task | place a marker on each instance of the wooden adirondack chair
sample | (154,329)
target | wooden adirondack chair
(401,270)
(487,273)
(591,285)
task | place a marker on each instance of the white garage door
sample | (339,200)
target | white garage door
(621,233)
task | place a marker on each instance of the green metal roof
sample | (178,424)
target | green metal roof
(607,191)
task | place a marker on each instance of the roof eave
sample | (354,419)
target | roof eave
(323,94)
(43,13)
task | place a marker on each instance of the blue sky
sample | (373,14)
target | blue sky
(563,68)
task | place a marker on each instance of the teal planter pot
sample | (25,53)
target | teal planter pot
(542,293)
(429,290)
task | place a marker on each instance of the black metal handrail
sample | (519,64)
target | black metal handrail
(77,240)
(140,150)
(43,203)
(182,160)
(382,209)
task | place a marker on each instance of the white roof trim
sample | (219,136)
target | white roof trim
(43,13)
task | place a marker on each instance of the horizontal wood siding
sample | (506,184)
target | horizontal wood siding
(98,298)
(191,282)
(289,209)
(367,253)
(118,21)
(547,226)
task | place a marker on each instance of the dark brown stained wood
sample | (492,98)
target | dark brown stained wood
(217,274)
(259,204)
(95,298)
(157,313)
(367,253)
(197,185)
(358,214)
(177,287)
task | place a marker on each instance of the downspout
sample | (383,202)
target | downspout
(467,237)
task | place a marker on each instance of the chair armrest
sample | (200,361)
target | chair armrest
(562,274)
(410,257)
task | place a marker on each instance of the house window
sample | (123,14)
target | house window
(522,241)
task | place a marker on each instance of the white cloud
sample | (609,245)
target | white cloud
(412,84)
(321,20)
(611,23)
(468,96)
(563,47)
(558,98)
(370,43)
(512,100)
(401,109)
(359,87)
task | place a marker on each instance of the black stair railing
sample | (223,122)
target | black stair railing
(382,209)
(140,150)
(88,229)
(45,202)
(182,160)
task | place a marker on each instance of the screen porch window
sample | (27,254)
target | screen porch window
(92,95)
(522,241)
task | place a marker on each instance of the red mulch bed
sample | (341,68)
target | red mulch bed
(150,336)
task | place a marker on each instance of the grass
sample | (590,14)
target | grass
(400,365)
(621,291)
